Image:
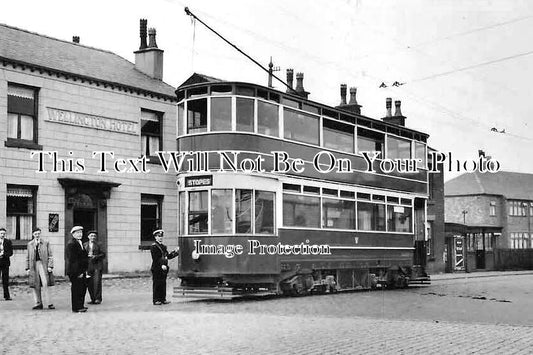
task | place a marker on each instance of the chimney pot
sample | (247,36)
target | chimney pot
(353,93)
(76,39)
(143,24)
(151,38)
(290,76)
(388,105)
(398,111)
(300,82)
(343,94)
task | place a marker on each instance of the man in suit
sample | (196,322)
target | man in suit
(6,251)
(39,265)
(94,270)
(159,269)
(77,263)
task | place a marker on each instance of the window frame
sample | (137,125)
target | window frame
(34,190)
(159,220)
(160,116)
(19,142)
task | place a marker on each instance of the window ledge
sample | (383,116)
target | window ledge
(18,143)
(153,159)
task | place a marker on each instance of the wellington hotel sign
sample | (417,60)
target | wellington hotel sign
(90,121)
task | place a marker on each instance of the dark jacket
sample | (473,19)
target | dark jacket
(160,257)
(97,261)
(8,252)
(77,259)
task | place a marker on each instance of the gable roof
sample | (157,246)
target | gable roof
(508,184)
(42,52)
(197,78)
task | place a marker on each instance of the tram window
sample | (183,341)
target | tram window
(245,91)
(262,94)
(264,212)
(406,201)
(301,211)
(420,153)
(274,97)
(338,136)
(393,199)
(363,196)
(292,187)
(243,211)
(300,127)
(221,90)
(398,148)
(312,109)
(312,190)
(197,92)
(197,116)
(267,118)
(198,212)
(370,216)
(182,214)
(221,114)
(369,141)
(338,214)
(378,198)
(399,219)
(330,192)
(245,115)
(221,211)
(291,103)
(348,194)
(181,121)
(180,95)
(330,113)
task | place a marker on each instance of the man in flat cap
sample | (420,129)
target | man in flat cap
(39,265)
(159,269)
(6,251)
(95,267)
(77,263)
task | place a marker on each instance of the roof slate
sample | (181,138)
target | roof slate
(508,184)
(51,53)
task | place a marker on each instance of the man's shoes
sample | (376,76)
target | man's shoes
(85,308)
(81,310)
(157,303)
(39,306)
(9,299)
(165,302)
(97,302)
(92,302)
(51,306)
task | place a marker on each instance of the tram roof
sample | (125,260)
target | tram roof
(198,80)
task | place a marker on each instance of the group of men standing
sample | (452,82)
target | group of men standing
(84,268)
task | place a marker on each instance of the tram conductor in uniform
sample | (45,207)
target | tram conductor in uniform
(77,263)
(159,268)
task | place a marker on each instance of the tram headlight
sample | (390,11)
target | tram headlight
(195,255)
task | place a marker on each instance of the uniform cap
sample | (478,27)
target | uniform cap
(159,231)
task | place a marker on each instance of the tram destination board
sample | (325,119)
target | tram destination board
(198,181)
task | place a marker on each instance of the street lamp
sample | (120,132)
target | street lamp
(465,256)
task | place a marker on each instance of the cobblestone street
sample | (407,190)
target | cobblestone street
(404,321)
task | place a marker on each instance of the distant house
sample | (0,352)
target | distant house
(495,211)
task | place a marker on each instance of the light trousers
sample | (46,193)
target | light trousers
(41,284)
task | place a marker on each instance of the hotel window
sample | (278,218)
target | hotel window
(370,216)
(339,136)
(20,211)
(267,118)
(197,116)
(301,211)
(370,141)
(301,127)
(21,116)
(151,207)
(151,140)
(221,114)
(198,212)
(492,208)
(398,148)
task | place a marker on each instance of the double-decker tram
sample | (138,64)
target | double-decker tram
(277,196)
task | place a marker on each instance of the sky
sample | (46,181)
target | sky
(465,66)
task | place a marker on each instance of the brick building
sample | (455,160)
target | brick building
(64,97)
(496,213)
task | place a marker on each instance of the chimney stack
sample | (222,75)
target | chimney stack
(290,76)
(149,58)
(398,118)
(300,86)
(76,39)
(353,93)
(343,94)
